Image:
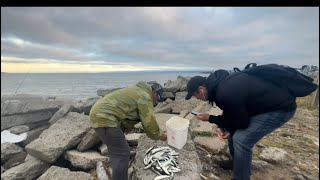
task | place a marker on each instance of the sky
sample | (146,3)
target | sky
(104,39)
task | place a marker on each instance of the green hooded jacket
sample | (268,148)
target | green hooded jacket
(126,107)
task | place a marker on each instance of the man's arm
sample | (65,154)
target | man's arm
(148,120)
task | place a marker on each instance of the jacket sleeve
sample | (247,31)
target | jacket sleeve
(148,120)
(235,115)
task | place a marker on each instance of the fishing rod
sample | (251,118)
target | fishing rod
(16,91)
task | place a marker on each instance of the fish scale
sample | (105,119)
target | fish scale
(162,160)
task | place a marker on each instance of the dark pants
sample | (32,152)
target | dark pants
(242,141)
(119,151)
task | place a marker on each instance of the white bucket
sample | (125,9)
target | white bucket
(177,131)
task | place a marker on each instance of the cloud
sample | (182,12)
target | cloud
(160,37)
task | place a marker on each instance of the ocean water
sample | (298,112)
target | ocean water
(79,86)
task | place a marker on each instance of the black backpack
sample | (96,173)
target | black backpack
(296,83)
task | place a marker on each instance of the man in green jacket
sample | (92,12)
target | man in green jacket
(123,109)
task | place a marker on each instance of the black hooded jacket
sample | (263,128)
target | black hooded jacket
(241,96)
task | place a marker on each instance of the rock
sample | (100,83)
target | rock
(168,100)
(101,172)
(103,92)
(260,165)
(162,118)
(138,126)
(182,104)
(133,138)
(33,134)
(15,160)
(61,136)
(212,144)
(8,109)
(28,170)
(172,86)
(29,157)
(85,107)
(57,173)
(180,95)
(85,160)
(19,129)
(168,95)
(203,128)
(183,113)
(160,105)
(2,169)
(90,140)
(202,107)
(60,113)
(215,111)
(184,82)
(103,150)
(188,160)
(9,150)
(21,119)
(165,109)
(273,155)
(314,139)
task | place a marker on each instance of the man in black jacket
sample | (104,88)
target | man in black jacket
(252,108)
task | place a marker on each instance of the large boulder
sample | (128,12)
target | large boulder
(20,119)
(61,136)
(168,95)
(8,108)
(182,104)
(188,160)
(85,160)
(85,107)
(90,140)
(212,144)
(165,109)
(184,81)
(9,150)
(172,86)
(28,170)
(162,118)
(61,112)
(27,127)
(180,95)
(58,173)
(15,160)
(273,155)
(101,172)
(33,134)
(103,92)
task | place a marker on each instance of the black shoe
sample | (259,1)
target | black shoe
(226,164)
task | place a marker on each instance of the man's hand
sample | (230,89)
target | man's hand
(223,134)
(203,117)
(164,136)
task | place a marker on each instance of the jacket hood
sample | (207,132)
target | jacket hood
(145,86)
(213,81)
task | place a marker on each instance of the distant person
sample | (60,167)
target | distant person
(120,110)
(252,108)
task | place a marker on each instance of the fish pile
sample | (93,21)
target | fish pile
(162,160)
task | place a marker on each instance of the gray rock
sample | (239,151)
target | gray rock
(168,95)
(103,92)
(273,155)
(138,126)
(165,109)
(15,160)
(90,140)
(61,136)
(85,107)
(260,165)
(101,172)
(85,160)
(3,169)
(168,100)
(133,138)
(8,109)
(9,150)
(33,134)
(103,150)
(28,170)
(180,95)
(184,82)
(182,104)
(162,118)
(188,160)
(160,105)
(58,173)
(172,86)
(19,129)
(29,157)
(212,144)
(21,119)
(183,113)
(60,113)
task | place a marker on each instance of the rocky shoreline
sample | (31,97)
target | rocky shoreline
(61,144)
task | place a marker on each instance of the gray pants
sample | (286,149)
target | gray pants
(119,151)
